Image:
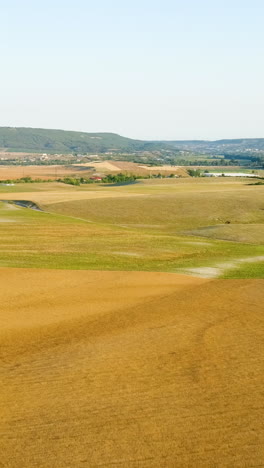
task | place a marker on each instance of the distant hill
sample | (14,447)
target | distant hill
(60,141)
(37,140)
(242,145)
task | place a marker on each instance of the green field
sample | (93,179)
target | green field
(202,227)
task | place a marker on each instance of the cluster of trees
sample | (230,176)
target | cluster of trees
(75,180)
(194,172)
(204,162)
(111,179)
(108,179)
(119,178)
(24,180)
(37,162)
(246,160)
(198,173)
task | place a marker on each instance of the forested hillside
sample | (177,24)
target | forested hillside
(60,141)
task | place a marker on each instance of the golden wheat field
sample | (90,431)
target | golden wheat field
(130,369)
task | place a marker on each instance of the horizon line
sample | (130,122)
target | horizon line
(209,140)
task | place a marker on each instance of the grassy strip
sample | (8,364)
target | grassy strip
(246,270)
(42,240)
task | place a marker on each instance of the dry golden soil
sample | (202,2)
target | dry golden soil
(40,172)
(130,369)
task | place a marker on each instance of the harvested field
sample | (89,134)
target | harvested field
(135,168)
(39,172)
(142,169)
(127,166)
(176,210)
(105,166)
(149,226)
(130,369)
(166,169)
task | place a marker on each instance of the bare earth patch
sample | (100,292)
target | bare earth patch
(214,272)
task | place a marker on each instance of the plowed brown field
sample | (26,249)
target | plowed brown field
(130,369)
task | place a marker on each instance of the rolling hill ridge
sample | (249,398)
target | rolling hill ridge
(37,140)
(61,141)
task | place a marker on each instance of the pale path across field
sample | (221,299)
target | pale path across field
(130,369)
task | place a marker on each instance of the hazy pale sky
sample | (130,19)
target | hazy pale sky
(150,69)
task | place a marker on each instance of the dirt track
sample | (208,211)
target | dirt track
(130,369)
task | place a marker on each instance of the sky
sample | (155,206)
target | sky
(148,69)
